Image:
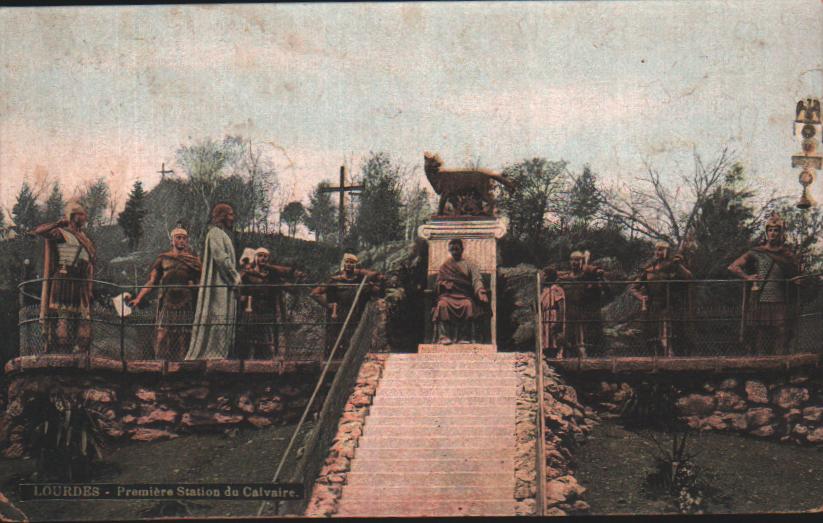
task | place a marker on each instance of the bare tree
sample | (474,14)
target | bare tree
(653,209)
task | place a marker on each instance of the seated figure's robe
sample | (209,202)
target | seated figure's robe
(458,284)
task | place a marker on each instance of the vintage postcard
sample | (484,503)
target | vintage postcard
(419,259)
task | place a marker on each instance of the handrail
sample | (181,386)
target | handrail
(316,391)
(540,439)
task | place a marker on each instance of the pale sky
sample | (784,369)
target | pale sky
(114,91)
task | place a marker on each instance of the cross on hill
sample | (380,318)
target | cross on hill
(163,171)
(342,189)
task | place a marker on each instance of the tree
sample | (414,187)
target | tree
(261,182)
(321,215)
(26,212)
(131,219)
(378,217)
(804,231)
(95,198)
(723,227)
(654,209)
(207,164)
(54,205)
(417,210)
(584,198)
(293,214)
(539,183)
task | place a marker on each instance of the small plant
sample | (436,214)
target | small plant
(651,412)
(63,436)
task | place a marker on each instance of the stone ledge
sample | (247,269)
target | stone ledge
(686,364)
(23,364)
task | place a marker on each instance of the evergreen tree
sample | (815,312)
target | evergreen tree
(293,215)
(724,227)
(26,212)
(321,218)
(95,198)
(584,198)
(55,205)
(378,218)
(131,219)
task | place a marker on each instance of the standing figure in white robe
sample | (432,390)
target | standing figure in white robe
(212,334)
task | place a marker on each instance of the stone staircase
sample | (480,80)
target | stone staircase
(439,439)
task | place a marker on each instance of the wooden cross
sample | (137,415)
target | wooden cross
(342,189)
(163,172)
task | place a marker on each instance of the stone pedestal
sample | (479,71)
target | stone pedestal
(479,235)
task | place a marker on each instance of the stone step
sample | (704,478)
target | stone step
(434,453)
(455,356)
(437,421)
(420,507)
(499,479)
(410,411)
(401,493)
(445,381)
(420,430)
(481,375)
(455,364)
(440,401)
(476,465)
(413,442)
(388,390)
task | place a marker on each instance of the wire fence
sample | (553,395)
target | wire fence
(254,322)
(674,318)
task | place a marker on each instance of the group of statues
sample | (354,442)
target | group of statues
(203,301)
(572,300)
(207,307)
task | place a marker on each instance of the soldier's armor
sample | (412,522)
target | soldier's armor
(580,294)
(768,269)
(667,271)
(70,251)
(175,272)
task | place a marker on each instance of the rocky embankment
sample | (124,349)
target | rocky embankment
(567,424)
(149,407)
(328,487)
(776,406)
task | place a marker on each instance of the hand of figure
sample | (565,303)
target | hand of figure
(134,303)
(63,223)
(300,275)
(677,258)
(752,277)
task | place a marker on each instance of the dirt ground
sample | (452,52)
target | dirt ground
(249,456)
(745,475)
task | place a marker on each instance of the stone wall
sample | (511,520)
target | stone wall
(783,406)
(328,487)
(567,424)
(153,404)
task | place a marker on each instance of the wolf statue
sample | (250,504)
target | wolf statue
(468,190)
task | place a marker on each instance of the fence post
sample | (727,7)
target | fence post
(122,333)
(540,469)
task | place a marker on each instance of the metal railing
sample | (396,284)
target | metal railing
(281,321)
(322,435)
(608,319)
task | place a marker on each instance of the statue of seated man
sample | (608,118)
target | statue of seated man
(460,292)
